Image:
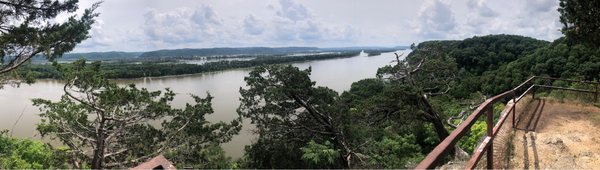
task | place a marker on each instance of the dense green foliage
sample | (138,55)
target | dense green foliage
(556,60)
(28,154)
(281,128)
(391,121)
(376,52)
(207,53)
(581,21)
(293,117)
(211,156)
(29,28)
(387,122)
(314,153)
(114,123)
(478,56)
(136,70)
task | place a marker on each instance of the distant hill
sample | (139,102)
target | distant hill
(187,52)
(92,56)
(227,51)
(102,55)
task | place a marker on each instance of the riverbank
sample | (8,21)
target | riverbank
(158,69)
(222,85)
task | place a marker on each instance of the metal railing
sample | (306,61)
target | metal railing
(437,155)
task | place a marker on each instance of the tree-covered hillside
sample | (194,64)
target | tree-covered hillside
(93,56)
(480,54)
(391,121)
(158,68)
(557,59)
(477,56)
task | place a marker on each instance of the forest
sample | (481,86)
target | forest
(391,121)
(167,67)
(208,53)
(226,51)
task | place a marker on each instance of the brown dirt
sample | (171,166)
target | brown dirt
(566,137)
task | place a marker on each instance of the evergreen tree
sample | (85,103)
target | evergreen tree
(108,126)
(581,21)
(29,28)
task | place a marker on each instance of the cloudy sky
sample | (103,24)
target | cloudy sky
(141,25)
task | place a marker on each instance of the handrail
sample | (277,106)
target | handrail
(437,154)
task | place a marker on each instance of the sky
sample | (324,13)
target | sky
(144,25)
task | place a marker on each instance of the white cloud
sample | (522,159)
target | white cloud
(539,18)
(535,18)
(183,25)
(290,24)
(483,20)
(435,20)
(104,39)
(139,25)
(253,26)
(536,6)
(292,11)
(296,24)
(482,8)
(101,39)
(442,20)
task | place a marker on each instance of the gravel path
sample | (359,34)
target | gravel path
(563,136)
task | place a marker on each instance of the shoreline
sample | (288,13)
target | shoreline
(215,71)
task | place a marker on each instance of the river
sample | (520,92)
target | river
(337,74)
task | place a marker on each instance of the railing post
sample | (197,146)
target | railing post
(596,94)
(514,107)
(533,92)
(490,133)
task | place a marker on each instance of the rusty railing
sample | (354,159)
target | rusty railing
(436,156)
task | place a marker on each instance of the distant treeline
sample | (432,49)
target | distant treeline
(155,69)
(226,51)
(376,52)
(111,55)
(189,53)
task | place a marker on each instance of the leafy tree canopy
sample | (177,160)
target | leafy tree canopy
(581,21)
(28,154)
(302,125)
(28,28)
(105,125)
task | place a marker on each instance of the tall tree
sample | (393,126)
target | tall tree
(29,28)
(581,21)
(287,107)
(108,126)
(301,125)
(430,72)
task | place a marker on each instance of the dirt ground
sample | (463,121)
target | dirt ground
(566,136)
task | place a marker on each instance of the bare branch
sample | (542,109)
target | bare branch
(65,89)
(326,120)
(115,153)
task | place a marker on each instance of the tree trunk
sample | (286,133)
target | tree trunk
(435,119)
(432,116)
(98,160)
(440,130)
